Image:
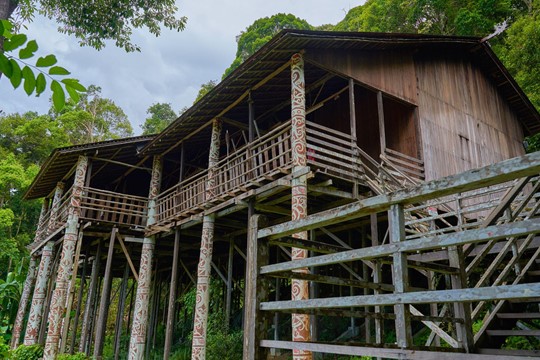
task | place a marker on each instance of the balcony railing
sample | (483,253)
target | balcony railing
(111,207)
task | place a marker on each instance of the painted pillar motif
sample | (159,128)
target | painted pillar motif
(299,288)
(58,301)
(142,298)
(40,293)
(198,349)
(25,296)
(44,271)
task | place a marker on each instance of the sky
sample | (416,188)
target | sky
(170,68)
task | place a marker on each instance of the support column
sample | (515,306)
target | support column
(105,299)
(400,275)
(140,314)
(40,292)
(198,347)
(90,296)
(299,288)
(58,301)
(23,303)
(169,330)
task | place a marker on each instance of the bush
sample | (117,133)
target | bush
(77,356)
(23,352)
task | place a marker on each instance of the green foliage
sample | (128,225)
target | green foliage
(23,352)
(17,68)
(93,118)
(161,115)
(77,356)
(260,32)
(205,89)
(94,22)
(4,349)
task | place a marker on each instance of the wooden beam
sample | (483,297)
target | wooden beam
(470,180)
(121,163)
(128,257)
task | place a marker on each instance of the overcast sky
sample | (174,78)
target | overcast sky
(170,68)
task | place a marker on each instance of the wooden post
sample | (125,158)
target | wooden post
(120,312)
(198,349)
(400,275)
(140,314)
(23,303)
(256,291)
(354,145)
(79,304)
(90,296)
(228,301)
(299,288)
(50,287)
(169,331)
(464,332)
(58,192)
(382,131)
(58,301)
(104,299)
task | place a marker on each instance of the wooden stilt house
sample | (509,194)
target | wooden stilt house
(352,193)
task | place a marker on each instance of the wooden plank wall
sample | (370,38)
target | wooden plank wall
(463,121)
(392,72)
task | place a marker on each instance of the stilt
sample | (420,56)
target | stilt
(90,297)
(58,301)
(29,282)
(299,288)
(169,331)
(23,303)
(79,305)
(47,308)
(140,314)
(256,292)
(40,293)
(105,299)
(120,313)
(198,348)
(228,302)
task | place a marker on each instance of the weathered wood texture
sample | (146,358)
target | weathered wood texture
(464,122)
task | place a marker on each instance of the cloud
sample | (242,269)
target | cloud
(170,67)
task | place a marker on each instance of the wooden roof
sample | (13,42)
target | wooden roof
(230,96)
(62,160)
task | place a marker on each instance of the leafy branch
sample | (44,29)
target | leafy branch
(16,69)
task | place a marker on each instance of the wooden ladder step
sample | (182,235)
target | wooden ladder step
(513,332)
(518,315)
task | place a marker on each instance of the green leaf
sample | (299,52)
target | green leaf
(74,83)
(15,42)
(58,70)
(5,66)
(29,80)
(41,83)
(58,97)
(5,28)
(29,50)
(73,94)
(16,75)
(46,61)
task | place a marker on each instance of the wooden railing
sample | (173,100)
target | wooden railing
(111,207)
(404,166)
(332,152)
(261,160)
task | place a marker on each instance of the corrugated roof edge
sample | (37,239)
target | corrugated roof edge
(81,147)
(356,36)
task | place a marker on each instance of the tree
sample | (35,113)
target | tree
(94,22)
(260,32)
(94,119)
(161,115)
(205,89)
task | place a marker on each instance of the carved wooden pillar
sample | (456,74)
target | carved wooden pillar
(142,298)
(299,288)
(58,301)
(23,304)
(200,321)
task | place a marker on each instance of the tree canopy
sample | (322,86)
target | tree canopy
(161,115)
